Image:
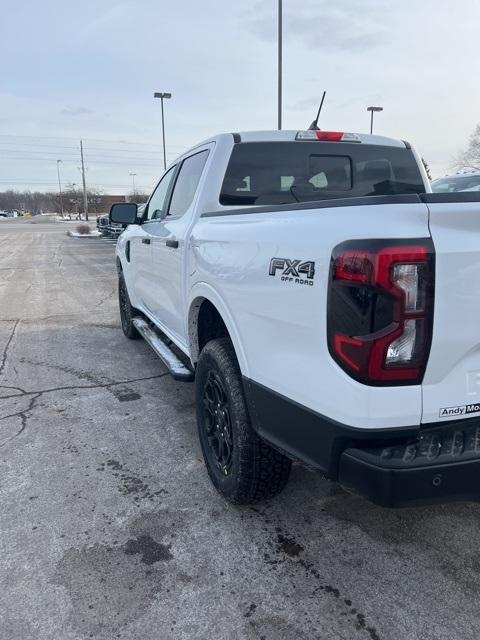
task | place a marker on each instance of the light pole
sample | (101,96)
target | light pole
(372,111)
(280,42)
(60,186)
(163,96)
(85,197)
(133,182)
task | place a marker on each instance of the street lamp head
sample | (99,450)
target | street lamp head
(374,108)
(159,94)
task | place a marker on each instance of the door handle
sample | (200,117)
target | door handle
(172,243)
(145,240)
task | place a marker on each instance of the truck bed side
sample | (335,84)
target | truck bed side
(280,318)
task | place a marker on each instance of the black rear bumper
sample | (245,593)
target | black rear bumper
(391,467)
(367,474)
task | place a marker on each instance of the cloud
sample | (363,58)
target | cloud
(75,111)
(305,103)
(325,25)
(117,17)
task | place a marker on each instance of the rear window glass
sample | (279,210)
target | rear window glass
(286,172)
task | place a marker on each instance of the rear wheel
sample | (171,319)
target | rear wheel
(127,312)
(243,468)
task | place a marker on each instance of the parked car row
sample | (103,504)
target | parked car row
(11,213)
(110,229)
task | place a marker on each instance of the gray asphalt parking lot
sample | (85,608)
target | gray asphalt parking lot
(109,525)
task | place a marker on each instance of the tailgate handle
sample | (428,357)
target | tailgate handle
(145,240)
(172,243)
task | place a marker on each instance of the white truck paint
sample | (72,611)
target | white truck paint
(452,378)
(221,253)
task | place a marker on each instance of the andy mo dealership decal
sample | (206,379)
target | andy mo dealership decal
(451,412)
(296,271)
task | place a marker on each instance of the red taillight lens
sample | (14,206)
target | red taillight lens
(380,309)
(355,266)
(331,136)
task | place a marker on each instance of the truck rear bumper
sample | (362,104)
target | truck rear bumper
(410,485)
(392,467)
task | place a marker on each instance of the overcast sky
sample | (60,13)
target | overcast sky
(88,70)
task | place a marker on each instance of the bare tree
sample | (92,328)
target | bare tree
(427,168)
(38,202)
(95,200)
(138,196)
(8,200)
(33,201)
(72,198)
(470,157)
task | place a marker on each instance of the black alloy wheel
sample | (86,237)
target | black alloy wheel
(218,423)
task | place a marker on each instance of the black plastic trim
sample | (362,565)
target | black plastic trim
(308,435)
(373,463)
(359,201)
(236,138)
(405,487)
(455,196)
(407,144)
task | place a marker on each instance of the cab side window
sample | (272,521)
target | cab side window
(187,183)
(157,202)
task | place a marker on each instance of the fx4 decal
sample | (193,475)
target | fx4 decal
(293,270)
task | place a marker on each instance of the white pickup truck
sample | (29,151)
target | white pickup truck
(325,303)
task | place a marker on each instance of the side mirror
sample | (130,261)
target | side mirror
(124,212)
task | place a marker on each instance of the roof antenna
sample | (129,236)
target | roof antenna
(313,126)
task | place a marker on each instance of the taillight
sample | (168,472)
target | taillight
(380,309)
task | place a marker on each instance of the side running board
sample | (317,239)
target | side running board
(173,363)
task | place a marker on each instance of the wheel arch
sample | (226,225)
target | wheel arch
(209,318)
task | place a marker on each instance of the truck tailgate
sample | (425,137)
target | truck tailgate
(451,386)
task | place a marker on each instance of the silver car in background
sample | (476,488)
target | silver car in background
(457,182)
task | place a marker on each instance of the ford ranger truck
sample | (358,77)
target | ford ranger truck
(326,305)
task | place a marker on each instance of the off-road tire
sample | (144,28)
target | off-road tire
(253,471)
(127,312)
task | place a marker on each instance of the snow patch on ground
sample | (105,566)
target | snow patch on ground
(92,234)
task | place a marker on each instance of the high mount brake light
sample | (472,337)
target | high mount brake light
(380,309)
(327,136)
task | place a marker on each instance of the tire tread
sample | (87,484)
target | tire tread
(263,471)
(129,330)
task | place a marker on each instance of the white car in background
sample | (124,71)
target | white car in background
(12,213)
(457,182)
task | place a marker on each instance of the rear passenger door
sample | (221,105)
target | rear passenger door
(168,243)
